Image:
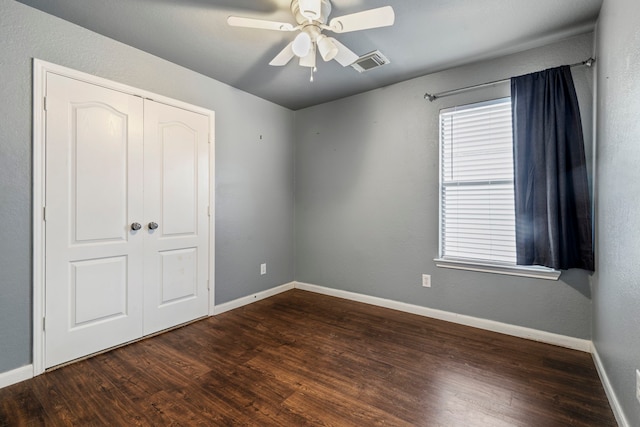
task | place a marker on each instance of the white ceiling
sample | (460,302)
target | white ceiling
(428,36)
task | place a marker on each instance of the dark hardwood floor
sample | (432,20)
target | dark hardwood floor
(305,359)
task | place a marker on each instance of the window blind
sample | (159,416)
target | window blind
(477,217)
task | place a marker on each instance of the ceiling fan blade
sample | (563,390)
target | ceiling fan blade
(373,18)
(345,56)
(283,57)
(238,21)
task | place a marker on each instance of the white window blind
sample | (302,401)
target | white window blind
(477,219)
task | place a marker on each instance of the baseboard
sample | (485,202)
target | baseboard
(16,375)
(236,303)
(608,389)
(476,322)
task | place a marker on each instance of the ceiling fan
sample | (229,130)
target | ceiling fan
(312,17)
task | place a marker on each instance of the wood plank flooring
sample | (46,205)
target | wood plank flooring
(300,359)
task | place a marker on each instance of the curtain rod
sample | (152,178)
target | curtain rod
(433,96)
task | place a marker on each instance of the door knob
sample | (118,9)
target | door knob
(153,225)
(136,226)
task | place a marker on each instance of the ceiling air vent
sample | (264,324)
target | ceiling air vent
(370,61)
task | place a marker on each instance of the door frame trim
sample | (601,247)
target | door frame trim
(40,70)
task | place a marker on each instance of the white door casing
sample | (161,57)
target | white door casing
(176,198)
(105,284)
(94,192)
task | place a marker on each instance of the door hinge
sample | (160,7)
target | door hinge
(208,285)
(44,323)
(210,138)
(44,213)
(208,210)
(45,103)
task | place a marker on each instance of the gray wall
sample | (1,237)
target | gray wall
(366,205)
(616,305)
(254,177)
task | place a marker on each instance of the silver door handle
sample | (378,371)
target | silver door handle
(153,225)
(136,226)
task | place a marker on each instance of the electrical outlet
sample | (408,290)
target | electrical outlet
(638,385)
(263,269)
(426,280)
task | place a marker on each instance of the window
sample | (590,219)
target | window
(477,212)
(477,219)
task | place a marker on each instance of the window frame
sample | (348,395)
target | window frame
(479,265)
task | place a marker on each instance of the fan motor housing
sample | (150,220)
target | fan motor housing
(302,16)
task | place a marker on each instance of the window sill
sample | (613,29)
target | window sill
(511,270)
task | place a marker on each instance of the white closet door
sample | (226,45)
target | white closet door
(94,192)
(176,199)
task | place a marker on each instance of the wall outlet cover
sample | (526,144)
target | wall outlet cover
(263,269)
(426,280)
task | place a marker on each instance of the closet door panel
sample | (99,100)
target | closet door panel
(179,151)
(99,172)
(176,164)
(94,190)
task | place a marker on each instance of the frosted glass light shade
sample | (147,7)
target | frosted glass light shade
(301,45)
(328,49)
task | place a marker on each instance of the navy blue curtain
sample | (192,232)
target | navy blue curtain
(553,208)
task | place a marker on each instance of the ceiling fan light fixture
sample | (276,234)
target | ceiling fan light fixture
(312,17)
(301,45)
(328,49)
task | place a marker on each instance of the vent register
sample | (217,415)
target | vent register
(370,61)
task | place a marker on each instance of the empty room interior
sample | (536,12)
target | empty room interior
(320,212)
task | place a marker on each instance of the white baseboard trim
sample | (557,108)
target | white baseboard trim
(476,322)
(16,375)
(236,303)
(608,389)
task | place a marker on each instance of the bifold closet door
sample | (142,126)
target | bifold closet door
(94,193)
(176,202)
